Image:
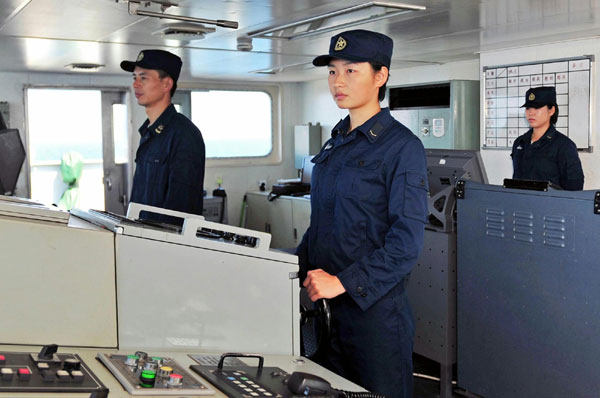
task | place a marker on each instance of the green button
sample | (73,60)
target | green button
(149,373)
(244,378)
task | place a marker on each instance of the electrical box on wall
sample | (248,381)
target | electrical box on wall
(443,115)
(307,141)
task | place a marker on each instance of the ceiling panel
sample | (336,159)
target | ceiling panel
(46,35)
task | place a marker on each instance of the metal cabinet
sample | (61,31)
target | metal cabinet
(285,218)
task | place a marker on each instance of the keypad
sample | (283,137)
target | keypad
(244,384)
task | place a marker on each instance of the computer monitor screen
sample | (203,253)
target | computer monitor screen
(12,156)
(307,167)
(446,166)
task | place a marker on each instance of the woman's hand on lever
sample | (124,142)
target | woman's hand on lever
(319,284)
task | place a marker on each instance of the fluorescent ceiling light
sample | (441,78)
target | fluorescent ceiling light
(84,67)
(327,22)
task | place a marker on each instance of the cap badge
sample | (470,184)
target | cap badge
(140,57)
(531,97)
(340,44)
(159,129)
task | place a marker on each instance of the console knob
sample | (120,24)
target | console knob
(141,355)
(175,380)
(151,365)
(165,371)
(131,360)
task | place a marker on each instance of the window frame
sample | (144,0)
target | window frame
(273,91)
(124,90)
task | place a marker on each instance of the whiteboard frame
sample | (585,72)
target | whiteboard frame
(591,94)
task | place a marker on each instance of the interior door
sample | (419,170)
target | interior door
(115,150)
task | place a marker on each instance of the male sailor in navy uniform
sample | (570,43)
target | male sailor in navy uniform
(543,153)
(368,210)
(170,159)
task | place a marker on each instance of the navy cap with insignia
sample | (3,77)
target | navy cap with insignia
(156,59)
(540,96)
(358,46)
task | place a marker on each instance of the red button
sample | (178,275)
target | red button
(24,371)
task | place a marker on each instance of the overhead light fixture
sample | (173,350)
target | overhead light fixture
(278,69)
(84,67)
(184,31)
(134,9)
(318,24)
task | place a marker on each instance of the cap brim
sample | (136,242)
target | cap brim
(536,105)
(128,66)
(324,60)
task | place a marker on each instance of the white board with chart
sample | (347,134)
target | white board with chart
(504,93)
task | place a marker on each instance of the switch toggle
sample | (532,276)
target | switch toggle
(7,373)
(63,375)
(48,376)
(71,364)
(24,374)
(77,375)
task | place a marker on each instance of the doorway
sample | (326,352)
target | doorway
(85,127)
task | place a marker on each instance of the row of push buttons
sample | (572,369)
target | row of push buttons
(248,386)
(24,374)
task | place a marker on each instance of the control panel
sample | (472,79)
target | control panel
(238,380)
(46,371)
(142,374)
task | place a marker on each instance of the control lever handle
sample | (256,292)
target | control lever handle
(261,360)
(48,351)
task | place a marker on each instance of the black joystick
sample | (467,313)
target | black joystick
(48,351)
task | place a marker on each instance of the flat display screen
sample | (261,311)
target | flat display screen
(12,156)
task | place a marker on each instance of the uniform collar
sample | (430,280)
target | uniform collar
(372,128)
(547,137)
(161,123)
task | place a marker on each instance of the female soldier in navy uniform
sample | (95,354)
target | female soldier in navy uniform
(542,153)
(368,209)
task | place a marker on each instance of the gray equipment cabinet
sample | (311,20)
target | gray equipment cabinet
(286,218)
(432,286)
(528,292)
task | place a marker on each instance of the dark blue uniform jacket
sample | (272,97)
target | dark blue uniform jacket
(552,158)
(368,207)
(169,169)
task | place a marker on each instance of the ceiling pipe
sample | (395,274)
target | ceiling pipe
(134,10)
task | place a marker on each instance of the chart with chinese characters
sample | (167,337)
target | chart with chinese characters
(505,88)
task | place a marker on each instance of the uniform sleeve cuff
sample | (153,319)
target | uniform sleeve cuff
(356,287)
